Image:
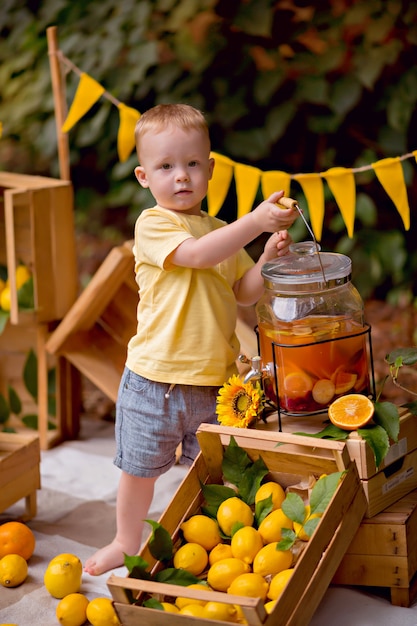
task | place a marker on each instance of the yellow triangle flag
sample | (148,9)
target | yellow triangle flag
(220,183)
(247,180)
(312,186)
(391,176)
(275,181)
(341,182)
(87,94)
(126,133)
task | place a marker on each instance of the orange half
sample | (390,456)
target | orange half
(351,412)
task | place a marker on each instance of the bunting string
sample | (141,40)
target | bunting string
(248,179)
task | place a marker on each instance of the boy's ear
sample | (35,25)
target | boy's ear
(211,167)
(141,176)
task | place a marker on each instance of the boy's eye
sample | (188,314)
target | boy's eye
(192,163)
(165,166)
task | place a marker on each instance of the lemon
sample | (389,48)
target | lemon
(240,617)
(269,606)
(270,527)
(279,582)
(203,530)
(169,607)
(72,610)
(269,561)
(219,552)
(22,275)
(298,528)
(222,573)
(221,611)
(195,610)
(5,297)
(250,585)
(13,570)
(63,575)
(100,612)
(233,511)
(246,543)
(271,489)
(191,557)
(182,602)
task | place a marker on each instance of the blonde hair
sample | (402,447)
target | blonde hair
(161,116)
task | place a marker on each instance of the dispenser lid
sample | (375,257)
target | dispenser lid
(307,269)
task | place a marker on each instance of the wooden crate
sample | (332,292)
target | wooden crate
(37,229)
(384,485)
(94,334)
(284,455)
(19,471)
(383,552)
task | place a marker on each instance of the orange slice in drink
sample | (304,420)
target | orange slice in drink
(297,385)
(343,381)
(323,391)
(351,412)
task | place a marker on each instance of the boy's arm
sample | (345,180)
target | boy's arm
(219,244)
(250,287)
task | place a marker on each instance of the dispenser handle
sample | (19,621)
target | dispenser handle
(287,203)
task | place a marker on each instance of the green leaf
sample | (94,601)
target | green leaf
(160,542)
(30,374)
(4,316)
(262,509)
(412,407)
(288,539)
(294,507)
(174,576)
(329,432)
(323,491)
(241,471)
(4,410)
(214,495)
(151,603)
(136,566)
(408,356)
(386,415)
(14,401)
(310,526)
(25,295)
(31,421)
(377,439)
(251,480)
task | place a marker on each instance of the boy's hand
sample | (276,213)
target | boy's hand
(270,217)
(277,245)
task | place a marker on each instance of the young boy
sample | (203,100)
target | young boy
(192,271)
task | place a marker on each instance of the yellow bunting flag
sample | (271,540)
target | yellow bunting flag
(247,180)
(220,183)
(87,94)
(341,182)
(391,176)
(126,134)
(275,181)
(312,186)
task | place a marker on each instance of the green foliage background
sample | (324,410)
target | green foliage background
(292,85)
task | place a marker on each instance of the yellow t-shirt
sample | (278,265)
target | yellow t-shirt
(186,317)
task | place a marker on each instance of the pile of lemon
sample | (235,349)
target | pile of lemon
(62,579)
(23,274)
(248,563)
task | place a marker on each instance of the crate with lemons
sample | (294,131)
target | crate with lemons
(239,528)
(24,287)
(62,579)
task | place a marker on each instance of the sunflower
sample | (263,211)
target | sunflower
(239,403)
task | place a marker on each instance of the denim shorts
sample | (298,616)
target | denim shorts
(149,425)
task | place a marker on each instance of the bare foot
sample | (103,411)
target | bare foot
(105,559)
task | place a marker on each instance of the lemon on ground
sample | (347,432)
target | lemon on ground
(233,511)
(220,611)
(269,561)
(191,557)
(169,607)
(13,570)
(72,610)
(194,610)
(16,538)
(222,573)
(299,528)
(100,612)
(219,552)
(63,575)
(351,412)
(203,530)
(271,489)
(5,298)
(279,582)
(251,585)
(246,543)
(271,525)
(181,602)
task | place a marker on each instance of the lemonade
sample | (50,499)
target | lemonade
(313,361)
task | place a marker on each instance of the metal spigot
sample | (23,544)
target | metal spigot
(255,373)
